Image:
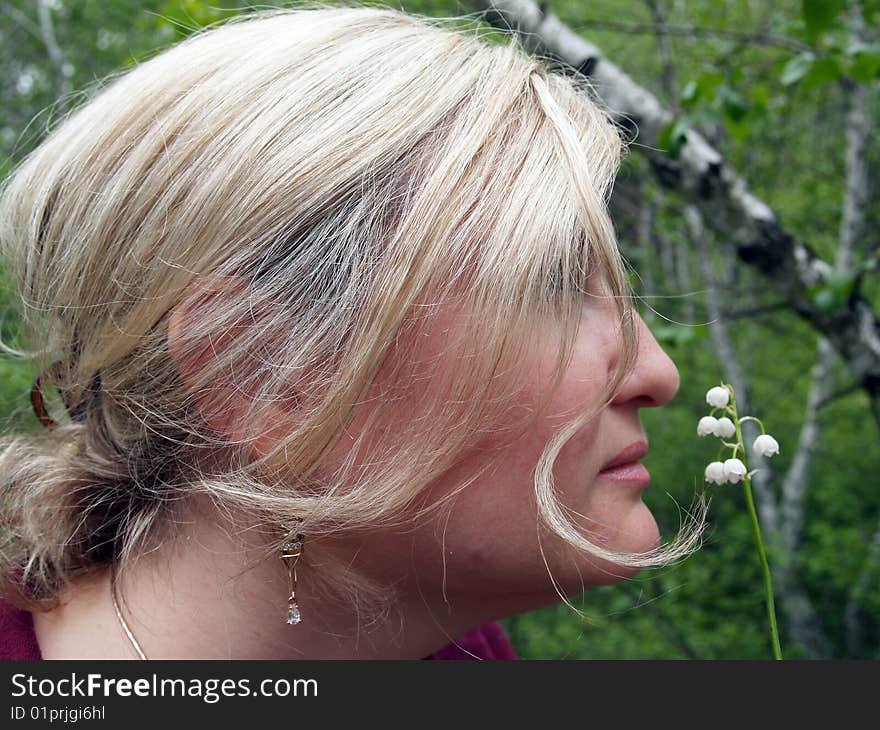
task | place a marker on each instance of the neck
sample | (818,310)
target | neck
(212,594)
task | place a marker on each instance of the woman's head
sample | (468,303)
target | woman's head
(340,264)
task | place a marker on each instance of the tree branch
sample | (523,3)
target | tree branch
(750,312)
(691,31)
(22,20)
(47,32)
(839,393)
(670,73)
(855,205)
(723,197)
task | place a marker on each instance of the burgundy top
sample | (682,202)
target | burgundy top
(18,640)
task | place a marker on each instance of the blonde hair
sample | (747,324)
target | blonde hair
(352,189)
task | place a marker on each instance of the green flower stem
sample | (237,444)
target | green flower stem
(756,420)
(768,582)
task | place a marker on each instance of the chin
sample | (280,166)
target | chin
(638,533)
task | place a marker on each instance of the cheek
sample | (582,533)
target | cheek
(488,538)
(487,543)
(490,534)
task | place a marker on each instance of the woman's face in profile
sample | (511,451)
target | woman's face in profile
(485,547)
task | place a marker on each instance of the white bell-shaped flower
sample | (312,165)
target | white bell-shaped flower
(766,445)
(734,470)
(724,428)
(715,473)
(707,425)
(718,397)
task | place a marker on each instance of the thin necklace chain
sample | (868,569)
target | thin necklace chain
(296,551)
(119,616)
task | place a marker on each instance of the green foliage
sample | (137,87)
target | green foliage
(821,15)
(797,68)
(710,99)
(831,295)
(674,136)
(861,62)
(676,335)
(178,19)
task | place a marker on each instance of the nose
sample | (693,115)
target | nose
(654,380)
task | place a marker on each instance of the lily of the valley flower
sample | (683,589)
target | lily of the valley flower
(766,445)
(718,397)
(720,427)
(707,425)
(715,473)
(734,470)
(724,428)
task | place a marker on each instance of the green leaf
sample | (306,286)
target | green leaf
(841,282)
(701,87)
(826,300)
(674,136)
(797,68)
(733,104)
(710,81)
(707,115)
(821,72)
(674,335)
(859,47)
(184,17)
(864,65)
(831,295)
(820,15)
(738,129)
(760,97)
(869,264)
(689,92)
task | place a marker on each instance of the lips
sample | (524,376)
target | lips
(625,467)
(632,453)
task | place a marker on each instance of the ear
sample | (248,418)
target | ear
(222,407)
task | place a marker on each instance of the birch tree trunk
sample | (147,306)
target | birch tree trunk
(741,219)
(802,620)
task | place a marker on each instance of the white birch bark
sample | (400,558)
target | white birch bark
(63,69)
(741,218)
(802,619)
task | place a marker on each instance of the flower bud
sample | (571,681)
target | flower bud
(715,473)
(724,428)
(734,470)
(707,425)
(718,397)
(766,445)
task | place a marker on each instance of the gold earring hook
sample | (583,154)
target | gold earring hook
(291,551)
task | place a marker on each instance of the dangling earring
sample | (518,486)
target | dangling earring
(291,550)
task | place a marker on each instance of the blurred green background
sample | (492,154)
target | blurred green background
(771,85)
